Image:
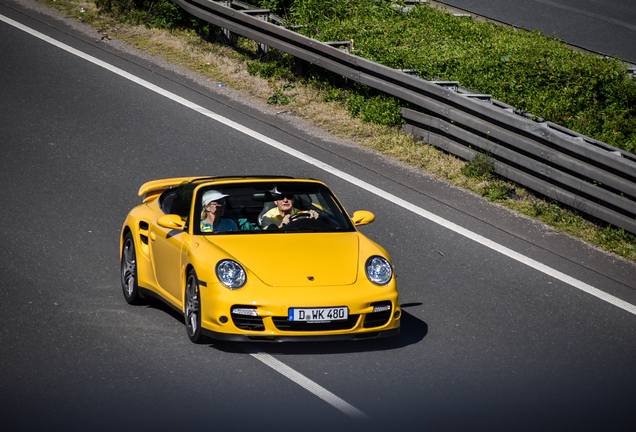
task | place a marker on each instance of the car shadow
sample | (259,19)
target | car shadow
(412,331)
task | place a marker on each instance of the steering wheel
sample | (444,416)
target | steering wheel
(323,216)
(300,215)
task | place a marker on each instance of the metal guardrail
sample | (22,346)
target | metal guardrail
(586,174)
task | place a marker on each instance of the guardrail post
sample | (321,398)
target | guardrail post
(298,68)
(263,15)
(226,35)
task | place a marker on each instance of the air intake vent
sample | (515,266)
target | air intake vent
(283,324)
(245,321)
(380,316)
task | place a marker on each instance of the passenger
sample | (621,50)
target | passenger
(282,213)
(213,210)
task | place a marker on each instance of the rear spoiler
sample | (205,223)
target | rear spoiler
(155,187)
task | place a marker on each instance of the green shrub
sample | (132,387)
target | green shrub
(159,14)
(279,98)
(165,14)
(264,70)
(333,94)
(278,7)
(586,93)
(481,167)
(381,109)
(354,103)
(498,191)
(537,74)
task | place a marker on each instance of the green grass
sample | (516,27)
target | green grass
(537,74)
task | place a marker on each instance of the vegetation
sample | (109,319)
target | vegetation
(525,69)
(586,93)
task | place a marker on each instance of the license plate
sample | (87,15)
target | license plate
(318,315)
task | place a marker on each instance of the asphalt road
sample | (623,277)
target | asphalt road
(498,331)
(606,27)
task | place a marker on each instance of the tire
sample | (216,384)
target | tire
(129,282)
(192,308)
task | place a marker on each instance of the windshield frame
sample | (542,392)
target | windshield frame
(246,200)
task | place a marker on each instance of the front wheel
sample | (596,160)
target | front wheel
(129,282)
(192,309)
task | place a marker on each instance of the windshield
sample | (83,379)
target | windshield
(268,207)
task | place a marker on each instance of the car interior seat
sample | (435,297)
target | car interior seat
(266,207)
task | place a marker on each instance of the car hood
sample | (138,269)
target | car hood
(299,259)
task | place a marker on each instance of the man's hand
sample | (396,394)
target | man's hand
(285,220)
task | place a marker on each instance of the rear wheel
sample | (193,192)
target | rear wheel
(192,309)
(129,283)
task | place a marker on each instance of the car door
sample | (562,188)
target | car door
(166,245)
(165,250)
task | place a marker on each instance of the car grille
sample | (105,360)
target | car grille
(283,324)
(378,319)
(252,323)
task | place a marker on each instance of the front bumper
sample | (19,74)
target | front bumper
(303,338)
(374,312)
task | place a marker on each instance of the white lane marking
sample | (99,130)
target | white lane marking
(306,383)
(588,14)
(349,178)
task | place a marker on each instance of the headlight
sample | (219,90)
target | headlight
(231,274)
(378,270)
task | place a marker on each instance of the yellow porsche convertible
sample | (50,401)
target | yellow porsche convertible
(258,259)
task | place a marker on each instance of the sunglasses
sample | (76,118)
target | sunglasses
(217,203)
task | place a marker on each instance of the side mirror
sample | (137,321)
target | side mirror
(362,217)
(171,221)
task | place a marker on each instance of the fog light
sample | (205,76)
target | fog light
(244,311)
(381,308)
(223,319)
(396,315)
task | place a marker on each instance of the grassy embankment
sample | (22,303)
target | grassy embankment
(525,69)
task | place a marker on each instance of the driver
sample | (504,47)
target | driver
(213,209)
(284,210)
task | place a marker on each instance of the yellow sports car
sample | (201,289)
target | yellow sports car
(264,258)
